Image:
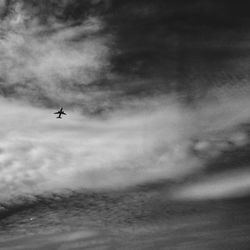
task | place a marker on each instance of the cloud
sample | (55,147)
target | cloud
(40,154)
(219,129)
(53,59)
(141,140)
(2,4)
(230,184)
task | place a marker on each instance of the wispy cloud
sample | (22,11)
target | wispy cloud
(39,153)
(51,58)
(230,184)
(141,140)
(220,130)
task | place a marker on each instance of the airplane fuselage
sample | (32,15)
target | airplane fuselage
(60,113)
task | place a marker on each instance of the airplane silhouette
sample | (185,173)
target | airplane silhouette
(60,112)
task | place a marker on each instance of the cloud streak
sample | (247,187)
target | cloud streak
(147,140)
(231,184)
(40,154)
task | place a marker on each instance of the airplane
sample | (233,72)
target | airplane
(60,112)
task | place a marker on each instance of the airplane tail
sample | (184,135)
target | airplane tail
(59,117)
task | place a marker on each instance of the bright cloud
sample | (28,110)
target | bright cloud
(39,153)
(144,141)
(53,58)
(235,183)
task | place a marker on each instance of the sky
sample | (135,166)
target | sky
(152,90)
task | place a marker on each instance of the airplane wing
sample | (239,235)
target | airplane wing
(57,112)
(63,113)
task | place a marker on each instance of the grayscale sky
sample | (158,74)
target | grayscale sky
(154,150)
(154,90)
